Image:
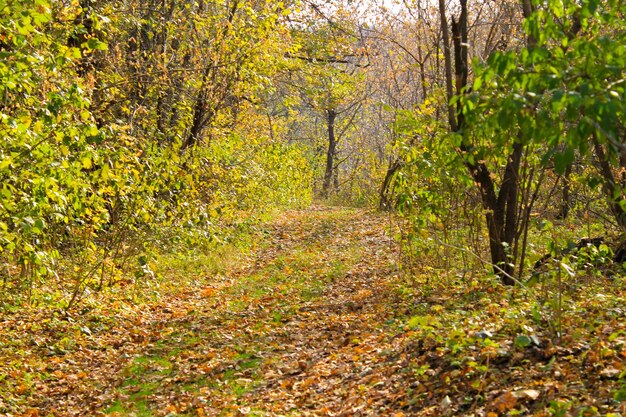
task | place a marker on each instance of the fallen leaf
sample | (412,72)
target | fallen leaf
(505,402)
(610,373)
(445,403)
(527,393)
(207,292)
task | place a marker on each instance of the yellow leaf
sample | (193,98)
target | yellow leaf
(86,161)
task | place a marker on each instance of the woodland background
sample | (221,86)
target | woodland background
(138,132)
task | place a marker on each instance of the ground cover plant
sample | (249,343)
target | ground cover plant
(319,319)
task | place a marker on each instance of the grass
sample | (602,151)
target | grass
(225,331)
(277,288)
(137,391)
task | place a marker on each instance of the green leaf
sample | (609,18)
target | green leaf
(6,194)
(94,44)
(562,160)
(478,82)
(523,341)
(38,226)
(533,280)
(620,394)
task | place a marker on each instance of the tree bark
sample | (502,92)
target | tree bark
(384,202)
(611,187)
(331,152)
(501,208)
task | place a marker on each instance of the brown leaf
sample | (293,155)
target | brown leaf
(207,292)
(505,402)
(22,389)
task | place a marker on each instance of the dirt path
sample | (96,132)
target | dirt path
(296,328)
(297,331)
(323,357)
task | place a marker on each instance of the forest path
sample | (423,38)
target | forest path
(302,325)
(315,321)
(298,328)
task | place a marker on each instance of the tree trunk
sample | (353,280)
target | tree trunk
(611,188)
(527,10)
(447,57)
(501,208)
(565,195)
(201,114)
(384,202)
(331,152)
(207,105)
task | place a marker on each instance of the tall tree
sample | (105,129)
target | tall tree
(332,56)
(500,200)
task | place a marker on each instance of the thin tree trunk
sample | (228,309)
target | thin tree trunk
(447,57)
(331,152)
(509,192)
(527,10)
(565,194)
(200,116)
(611,188)
(204,110)
(384,199)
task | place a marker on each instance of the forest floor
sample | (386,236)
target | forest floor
(320,320)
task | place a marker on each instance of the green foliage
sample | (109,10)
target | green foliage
(533,111)
(562,92)
(92,182)
(50,142)
(432,190)
(234,182)
(430,175)
(522,341)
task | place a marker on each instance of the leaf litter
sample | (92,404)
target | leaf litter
(318,320)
